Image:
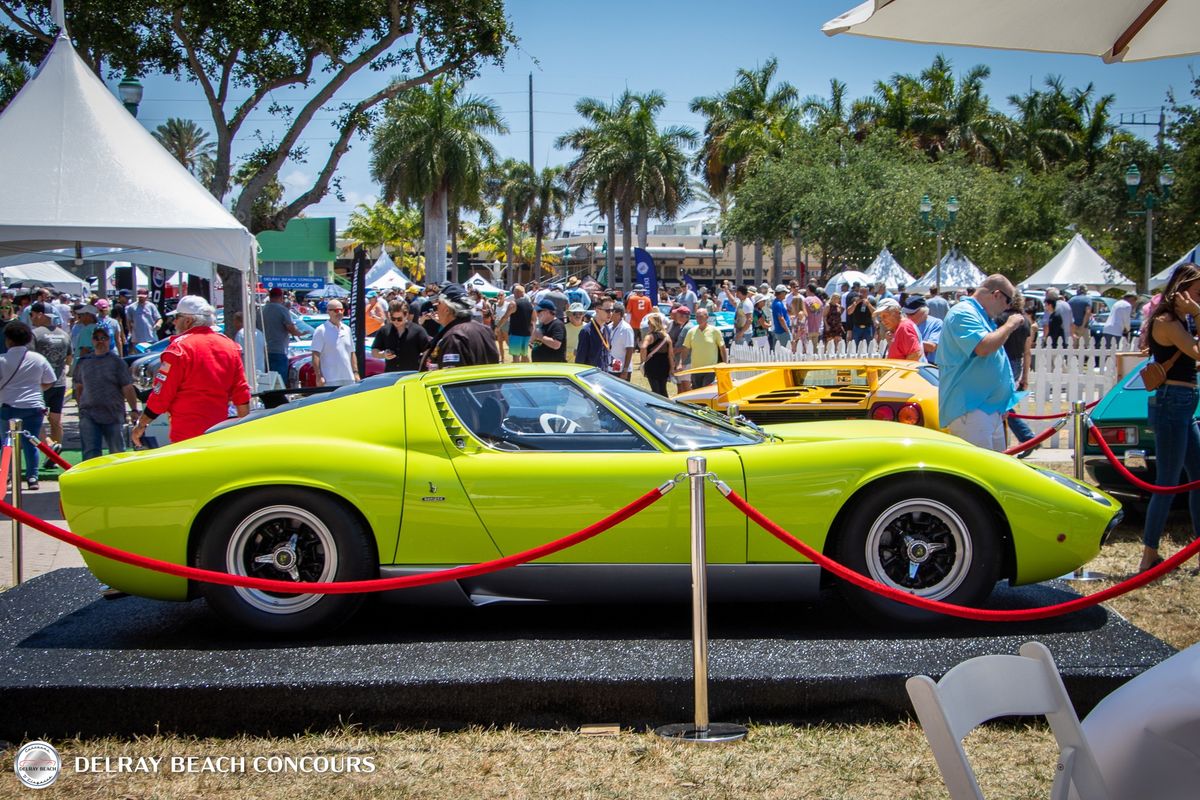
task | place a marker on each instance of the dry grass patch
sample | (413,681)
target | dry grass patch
(882,761)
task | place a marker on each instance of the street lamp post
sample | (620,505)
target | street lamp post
(130,89)
(938,225)
(1133,178)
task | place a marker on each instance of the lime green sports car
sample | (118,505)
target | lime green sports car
(407,473)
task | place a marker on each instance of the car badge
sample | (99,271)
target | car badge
(433,496)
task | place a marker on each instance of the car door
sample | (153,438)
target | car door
(546,458)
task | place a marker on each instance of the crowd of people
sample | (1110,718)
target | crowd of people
(55,345)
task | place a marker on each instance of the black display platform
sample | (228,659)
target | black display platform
(73,663)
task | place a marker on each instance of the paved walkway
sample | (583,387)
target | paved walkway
(41,553)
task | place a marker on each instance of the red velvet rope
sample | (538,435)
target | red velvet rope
(342,587)
(983,614)
(1032,443)
(5,468)
(1134,479)
(62,463)
(1015,415)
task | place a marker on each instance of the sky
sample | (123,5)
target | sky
(685,50)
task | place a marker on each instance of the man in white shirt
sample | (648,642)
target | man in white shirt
(1117,326)
(621,343)
(333,350)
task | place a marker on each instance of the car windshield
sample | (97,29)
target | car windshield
(680,427)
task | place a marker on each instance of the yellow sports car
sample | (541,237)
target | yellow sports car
(872,388)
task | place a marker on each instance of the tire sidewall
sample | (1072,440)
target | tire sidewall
(355,555)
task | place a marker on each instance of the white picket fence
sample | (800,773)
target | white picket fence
(1058,376)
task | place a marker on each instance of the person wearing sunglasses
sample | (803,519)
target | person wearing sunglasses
(400,342)
(332,350)
(975,386)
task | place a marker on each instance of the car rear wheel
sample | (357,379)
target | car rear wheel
(290,535)
(938,543)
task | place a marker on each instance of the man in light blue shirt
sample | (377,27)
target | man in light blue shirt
(975,387)
(938,307)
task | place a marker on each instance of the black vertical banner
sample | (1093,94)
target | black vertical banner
(358,294)
(125,278)
(158,286)
(198,286)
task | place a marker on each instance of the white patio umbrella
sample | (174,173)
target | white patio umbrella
(1114,30)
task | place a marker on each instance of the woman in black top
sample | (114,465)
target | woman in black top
(657,354)
(1172,414)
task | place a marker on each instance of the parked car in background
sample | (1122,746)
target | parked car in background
(878,389)
(1122,419)
(423,479)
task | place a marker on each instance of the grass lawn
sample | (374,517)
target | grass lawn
(886,760)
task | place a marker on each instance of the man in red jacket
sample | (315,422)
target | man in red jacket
(200,375)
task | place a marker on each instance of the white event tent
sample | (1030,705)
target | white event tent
(849,276)
(886,268)
(957,272)
(83,172)
(46,272)
(384,274)
(1190,257)
(483,286)
(1077,263)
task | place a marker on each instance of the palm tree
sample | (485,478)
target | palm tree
(386,225)
(954,115)
(431,147)
(829,115)
(550,202)
(1044,125)
(593,171)
(189,144)
(749,122)
(1095,126)
(510,186)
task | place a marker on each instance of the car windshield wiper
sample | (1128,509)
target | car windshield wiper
(740,419)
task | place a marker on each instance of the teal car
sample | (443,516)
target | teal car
(461,466)
(1122,418)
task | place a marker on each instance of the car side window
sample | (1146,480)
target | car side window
(540,414)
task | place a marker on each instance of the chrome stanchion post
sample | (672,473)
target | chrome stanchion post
(1079,421)
(701,730)
(732,410)
(14,438)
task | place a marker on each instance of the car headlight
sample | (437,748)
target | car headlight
(142,378)
(1083,489)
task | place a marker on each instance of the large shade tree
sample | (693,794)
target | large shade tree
(244,55)
(432,148)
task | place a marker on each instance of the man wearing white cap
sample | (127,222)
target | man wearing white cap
(200,375)
(906,342)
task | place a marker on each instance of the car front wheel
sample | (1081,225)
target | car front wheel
(937,543)
(290,535)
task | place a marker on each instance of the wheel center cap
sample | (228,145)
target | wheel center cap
(918,552)
(285,558)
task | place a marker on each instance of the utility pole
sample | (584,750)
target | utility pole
(531,122)
(1133,121)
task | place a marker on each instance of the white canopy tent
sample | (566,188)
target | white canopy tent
(957,272)
(886,268)
(1077,263)
(392,279)
(483,286)
(1190,257)
(83,173)
(847,276)
(46,272)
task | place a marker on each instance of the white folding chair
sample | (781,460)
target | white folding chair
(987,687)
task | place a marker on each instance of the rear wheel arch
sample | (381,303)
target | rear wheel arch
(213,506)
